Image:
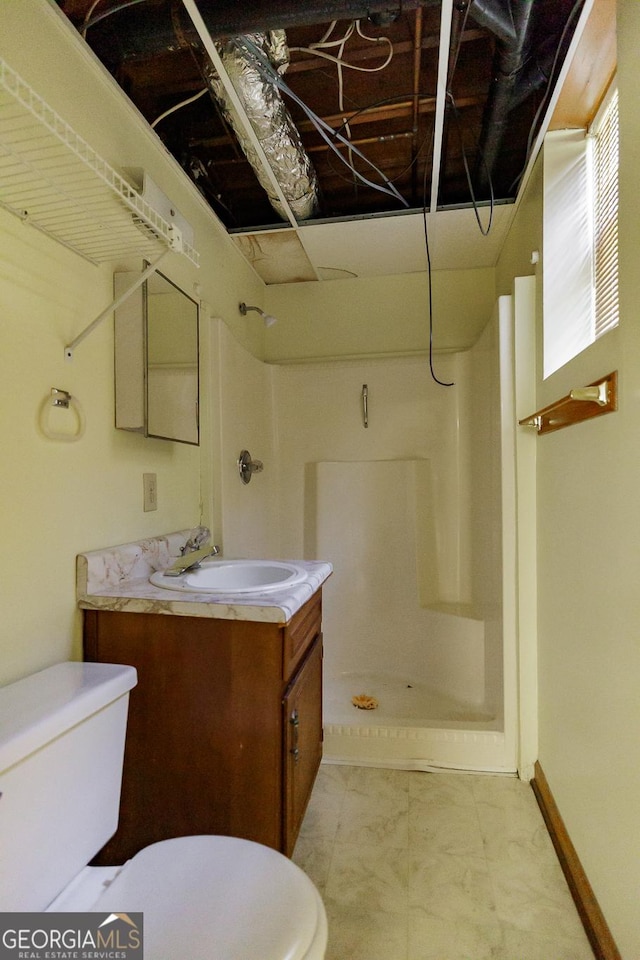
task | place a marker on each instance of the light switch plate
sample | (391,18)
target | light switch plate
(150,488)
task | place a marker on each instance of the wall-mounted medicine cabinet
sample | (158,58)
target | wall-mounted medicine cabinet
(156,360)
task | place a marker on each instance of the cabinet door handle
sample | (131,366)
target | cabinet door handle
(294,720)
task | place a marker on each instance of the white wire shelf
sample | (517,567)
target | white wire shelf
(51,178)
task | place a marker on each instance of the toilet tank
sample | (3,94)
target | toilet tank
(62,734)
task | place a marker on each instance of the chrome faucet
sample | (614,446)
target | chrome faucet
(196,541)
(192,561)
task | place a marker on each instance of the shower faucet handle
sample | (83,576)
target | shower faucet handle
(247,467)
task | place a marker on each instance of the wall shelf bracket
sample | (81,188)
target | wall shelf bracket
(53,180)
(583,403)
(68,350)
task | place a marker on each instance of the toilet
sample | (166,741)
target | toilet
(62,734)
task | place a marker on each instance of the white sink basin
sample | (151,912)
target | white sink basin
(235,577)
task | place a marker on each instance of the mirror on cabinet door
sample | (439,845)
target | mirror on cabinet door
(156,360)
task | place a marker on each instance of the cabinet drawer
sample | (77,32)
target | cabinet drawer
(300,633)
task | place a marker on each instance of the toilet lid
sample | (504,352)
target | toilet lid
(219,898)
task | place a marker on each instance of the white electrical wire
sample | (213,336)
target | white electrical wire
(178,106)
(107,13)
(347,128)
(314,49)
(324,129)
(317,49)
(325,42)
(88,16)
(344,63)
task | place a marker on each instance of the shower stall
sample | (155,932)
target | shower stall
(416,513)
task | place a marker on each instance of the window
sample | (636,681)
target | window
(580,236)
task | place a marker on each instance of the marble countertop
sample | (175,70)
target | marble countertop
(117,578)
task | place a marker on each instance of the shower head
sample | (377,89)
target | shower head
(268,319)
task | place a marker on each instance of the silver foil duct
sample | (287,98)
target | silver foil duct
(270,119)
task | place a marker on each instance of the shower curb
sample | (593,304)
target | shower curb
(416,748)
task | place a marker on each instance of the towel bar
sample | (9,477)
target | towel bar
(583,403)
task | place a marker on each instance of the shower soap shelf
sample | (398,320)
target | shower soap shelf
(583,403)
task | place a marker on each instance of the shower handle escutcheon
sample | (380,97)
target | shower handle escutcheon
(247,467)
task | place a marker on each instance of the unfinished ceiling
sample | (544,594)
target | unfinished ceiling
(292,118)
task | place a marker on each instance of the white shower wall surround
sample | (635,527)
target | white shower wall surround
(375,518)
(409,512)
(384,634)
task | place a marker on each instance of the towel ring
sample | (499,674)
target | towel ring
(61,399)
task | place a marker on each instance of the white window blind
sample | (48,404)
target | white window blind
(580,236)
(605,159)
(568,278)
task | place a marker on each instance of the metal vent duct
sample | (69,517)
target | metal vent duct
(499,53)
(271,122)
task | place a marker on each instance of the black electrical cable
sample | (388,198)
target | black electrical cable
(456,52)
(425,140)
(483,230)
(386,100)
(380,103)
(442,383)
(549,88)
(458,124)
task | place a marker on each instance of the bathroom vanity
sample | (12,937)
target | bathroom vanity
(225,725)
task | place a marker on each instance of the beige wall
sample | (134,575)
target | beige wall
(524,237)
(58,498)
(588,536)
(377,316)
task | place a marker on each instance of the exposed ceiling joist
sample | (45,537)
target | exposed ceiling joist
(391,102)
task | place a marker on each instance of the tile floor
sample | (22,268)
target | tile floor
(436,866)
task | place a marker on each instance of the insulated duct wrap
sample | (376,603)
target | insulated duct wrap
(263,104)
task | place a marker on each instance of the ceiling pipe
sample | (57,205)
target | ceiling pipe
(517,72)
(228,16)
(536,73)
(495,16)
(132,32)
(508,61)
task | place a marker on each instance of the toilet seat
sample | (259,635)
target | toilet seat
(219,898)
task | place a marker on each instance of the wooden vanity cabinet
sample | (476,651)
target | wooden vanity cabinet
(303,742)
(224,732)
